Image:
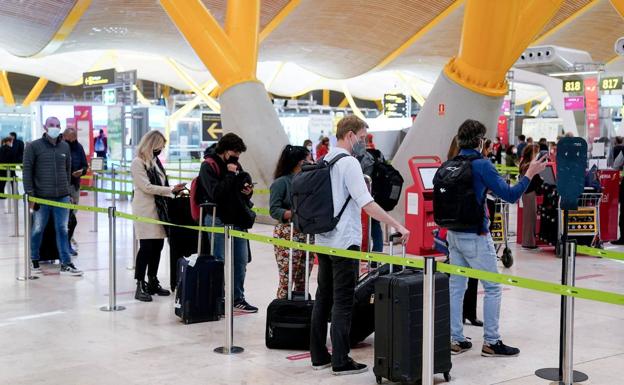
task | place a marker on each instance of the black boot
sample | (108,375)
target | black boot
(141,292)
(153,287)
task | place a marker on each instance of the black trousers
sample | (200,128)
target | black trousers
(148,258)
(336,286)
(470,299)
(621,198)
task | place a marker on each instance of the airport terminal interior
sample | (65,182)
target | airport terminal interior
(176,78)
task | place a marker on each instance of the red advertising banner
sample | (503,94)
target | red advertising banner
(502,130)
(83,123)
(592,121)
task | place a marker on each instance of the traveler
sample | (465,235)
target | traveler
(473,247)
(529,198)
(151,188)
(18,148)
(375,230)
(543,144)
(488,151)
(521,143)
(289,164)
(6,156)
(79,168)
(308,146)
(322,148)
(497,149)
(337,276)
(224,183)
(511,155)
(47,175)
(618,163)
(100,145)
(470,296)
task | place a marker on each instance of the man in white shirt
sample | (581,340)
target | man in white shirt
(337,276)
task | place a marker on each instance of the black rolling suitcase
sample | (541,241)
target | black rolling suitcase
(398,335)
(199,293)
(181,240)
(288,320)
(48,251)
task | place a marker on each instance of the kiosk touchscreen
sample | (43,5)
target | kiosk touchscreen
(426,177)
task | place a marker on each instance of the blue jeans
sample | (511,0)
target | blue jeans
(40,220)
(241,256)
(477,252)
(376,235)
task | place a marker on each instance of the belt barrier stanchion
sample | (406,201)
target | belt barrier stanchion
(229,347)
(290,264)
(428,320)
(27,273)
(15,207)
(307,263)
(8,175)
(112,263)
(114,198)
(199,233)
(132,266)
(568,348)
(95,202)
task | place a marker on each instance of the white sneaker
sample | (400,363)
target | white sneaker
(35,268)
(70,269)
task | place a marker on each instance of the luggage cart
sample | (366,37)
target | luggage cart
(499,230)
(584,223)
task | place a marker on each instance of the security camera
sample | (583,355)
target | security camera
(619,46)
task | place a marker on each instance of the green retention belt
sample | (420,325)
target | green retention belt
(105,190)
(609,254)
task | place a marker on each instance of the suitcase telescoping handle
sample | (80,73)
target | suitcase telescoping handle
(201,222)
(290,266)
(392,239)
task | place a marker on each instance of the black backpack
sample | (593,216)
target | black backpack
(312,199)
(387,185)
(455,204)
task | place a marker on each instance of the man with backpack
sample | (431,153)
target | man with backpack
(223,182)
(337,276)
(460,187)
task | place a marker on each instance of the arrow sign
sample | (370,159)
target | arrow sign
(211,127)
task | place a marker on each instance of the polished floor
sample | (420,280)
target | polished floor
(52,331)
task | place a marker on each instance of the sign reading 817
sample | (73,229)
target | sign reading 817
(611,83)
(575,85)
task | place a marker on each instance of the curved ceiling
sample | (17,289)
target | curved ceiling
(320,40)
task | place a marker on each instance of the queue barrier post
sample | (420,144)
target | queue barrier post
(27,229)
(8,176)
(428,320)
(15,207)
(114,198)
(95,202)
(112,263)
(228,347)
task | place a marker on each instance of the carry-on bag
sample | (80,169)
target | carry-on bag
(399,328)
(181,239)
(288,320)
(199,292)
(48,251)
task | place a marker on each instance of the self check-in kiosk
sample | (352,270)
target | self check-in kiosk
(419,205)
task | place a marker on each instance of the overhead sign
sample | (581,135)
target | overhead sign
(396,105)
(211,127)
(611,83)
(574,103)
(109,96)
(611,101)
(592,120)
(98,78)
(573,85)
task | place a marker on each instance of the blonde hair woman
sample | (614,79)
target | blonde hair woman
(151,188)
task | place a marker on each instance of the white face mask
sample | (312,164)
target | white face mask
(309,148)
(54,132)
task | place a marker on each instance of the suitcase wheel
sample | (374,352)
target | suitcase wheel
(507,258)
(447,376)
(378,379)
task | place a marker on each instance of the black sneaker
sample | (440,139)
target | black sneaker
(618,242)
(323,364)
(530,247)
(351,367)
(459,347)
(70,269)
(35,268)
(499,349)
(244,307)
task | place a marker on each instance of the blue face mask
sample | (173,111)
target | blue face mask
(54,132)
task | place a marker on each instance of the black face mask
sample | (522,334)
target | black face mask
(232,160)
(157,152)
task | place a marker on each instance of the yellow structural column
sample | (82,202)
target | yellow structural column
(230,57)
(494,34)
(35,92)
(5,87)
(619,6)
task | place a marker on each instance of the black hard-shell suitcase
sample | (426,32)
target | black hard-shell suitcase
(398,335)
(181,240)
(48,251)
(289,320)
(199,292)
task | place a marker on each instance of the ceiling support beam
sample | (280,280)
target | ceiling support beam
(420,99)
(5,88)
(325,97)
(619,6)
(209,100)
(278,19)
(191,104)
(567,21)
(35,92)
(349,97)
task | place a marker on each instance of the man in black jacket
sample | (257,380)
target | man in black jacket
(18,148)
(224,183)
(79,168)
(47,174)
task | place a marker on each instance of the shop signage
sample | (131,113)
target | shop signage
(98,78)
(396,106)
(109,96)
(573,85)
(574,103)
(211,127)
(611,83)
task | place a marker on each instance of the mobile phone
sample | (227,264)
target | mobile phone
(542,154)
